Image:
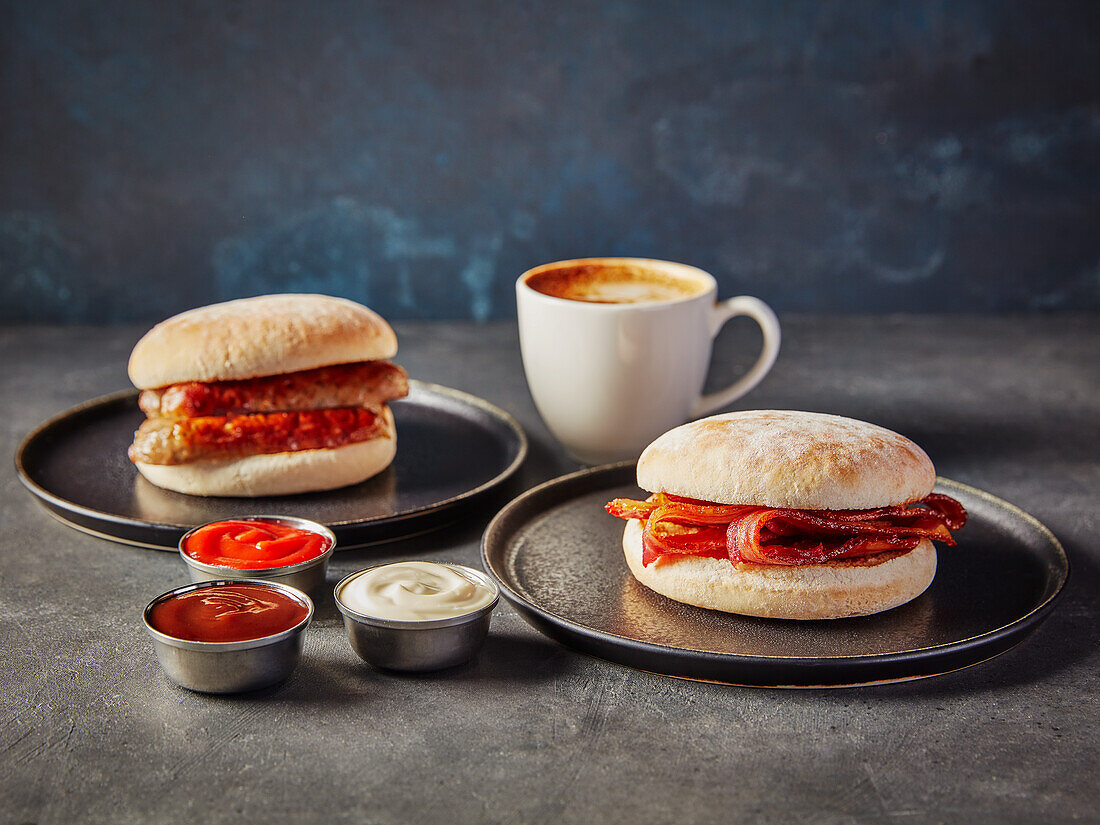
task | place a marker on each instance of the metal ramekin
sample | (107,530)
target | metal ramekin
(307,576)
(229,667)
(428,644)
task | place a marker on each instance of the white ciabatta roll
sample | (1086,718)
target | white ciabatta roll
(266,335)
(849,587)
(272,395)
(279,474)
(787,459)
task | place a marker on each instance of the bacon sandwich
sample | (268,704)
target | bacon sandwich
(263,396)
(786,514)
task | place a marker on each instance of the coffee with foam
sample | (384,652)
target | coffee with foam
(606,283)
(616,350)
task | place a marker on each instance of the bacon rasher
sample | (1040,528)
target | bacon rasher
(675,525)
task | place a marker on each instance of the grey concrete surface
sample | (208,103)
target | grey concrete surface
(92,732)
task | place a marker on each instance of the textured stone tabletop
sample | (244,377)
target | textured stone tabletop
(91,731)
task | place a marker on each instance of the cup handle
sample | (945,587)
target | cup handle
(769,326)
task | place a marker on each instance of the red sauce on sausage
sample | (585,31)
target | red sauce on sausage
(227,613)
(253,545)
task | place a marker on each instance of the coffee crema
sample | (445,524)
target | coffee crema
(614,284)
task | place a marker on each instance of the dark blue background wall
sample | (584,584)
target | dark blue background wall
(850,156)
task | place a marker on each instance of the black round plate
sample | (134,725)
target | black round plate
(452,448)
(558,558)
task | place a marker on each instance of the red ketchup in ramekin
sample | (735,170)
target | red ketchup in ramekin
(227,613)
(254,544)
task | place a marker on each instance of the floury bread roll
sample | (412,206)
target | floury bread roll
(263,396)
(786,514)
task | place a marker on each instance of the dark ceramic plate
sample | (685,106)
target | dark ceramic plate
(557,557)
(452,449)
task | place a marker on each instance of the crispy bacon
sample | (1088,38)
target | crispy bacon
(760,535)
(177,441)
(362,384)
(677,525)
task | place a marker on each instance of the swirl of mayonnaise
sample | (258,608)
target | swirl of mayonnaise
(414,591)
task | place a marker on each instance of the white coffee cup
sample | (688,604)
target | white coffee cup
(616,350)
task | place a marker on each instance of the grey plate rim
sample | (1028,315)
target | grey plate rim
(52,501)
(622,649)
